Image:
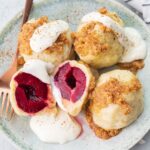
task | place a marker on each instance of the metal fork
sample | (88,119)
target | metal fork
(6,109)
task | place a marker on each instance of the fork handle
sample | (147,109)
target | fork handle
(27,10)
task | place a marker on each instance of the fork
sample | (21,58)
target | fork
(6,109)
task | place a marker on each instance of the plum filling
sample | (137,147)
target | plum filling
(71,82)
(31,93)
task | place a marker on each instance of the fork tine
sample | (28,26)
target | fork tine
(6,110)
(9,110)
(1,95)
(7,105)
(1,98)
(11,114)
(4,97)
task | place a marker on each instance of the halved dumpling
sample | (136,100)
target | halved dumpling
(72,82)
(29,94)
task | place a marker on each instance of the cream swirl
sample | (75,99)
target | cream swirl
(59,128)
(44,36)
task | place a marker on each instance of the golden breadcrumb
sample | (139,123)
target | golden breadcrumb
(100,132)
(96,43)
(133,66)
(26,33)
(112,92)
(105,94)
(89,40)
(20,61)
(73,35)
(112,15)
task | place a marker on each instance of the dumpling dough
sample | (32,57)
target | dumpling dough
(55,128)
(117,100)
(72,83)
(34,42)
(95,43)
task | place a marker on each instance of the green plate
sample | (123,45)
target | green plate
(18,130)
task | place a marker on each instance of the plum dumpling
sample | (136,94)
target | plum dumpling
(96,42)
(102,40)
(116,102)
(49,41)
(30,89)
(71,85)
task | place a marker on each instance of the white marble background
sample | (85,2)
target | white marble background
(9,8)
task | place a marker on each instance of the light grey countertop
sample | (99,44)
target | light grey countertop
(8,9)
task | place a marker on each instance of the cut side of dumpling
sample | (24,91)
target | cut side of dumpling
(71,85)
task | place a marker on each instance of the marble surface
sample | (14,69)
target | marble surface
(8,9)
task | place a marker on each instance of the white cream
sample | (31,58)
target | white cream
(51,128)
(57,94)
(38,69)
(135,51)
(108,22)
(131,40)
(45,35)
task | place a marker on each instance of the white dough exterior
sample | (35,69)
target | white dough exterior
(111,117)
(55,128)
(130,38)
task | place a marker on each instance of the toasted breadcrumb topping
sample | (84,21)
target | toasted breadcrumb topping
(105,94)
(100,132)
(112,15)
(133,66)
(20,61)
(92,40)
(27,32)
(112,92)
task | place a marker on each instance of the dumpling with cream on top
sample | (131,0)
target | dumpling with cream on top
(49,41)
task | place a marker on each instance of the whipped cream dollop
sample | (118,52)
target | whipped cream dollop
(55,128)
(44,36)
(134,48)
(39,69)
(135,51)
